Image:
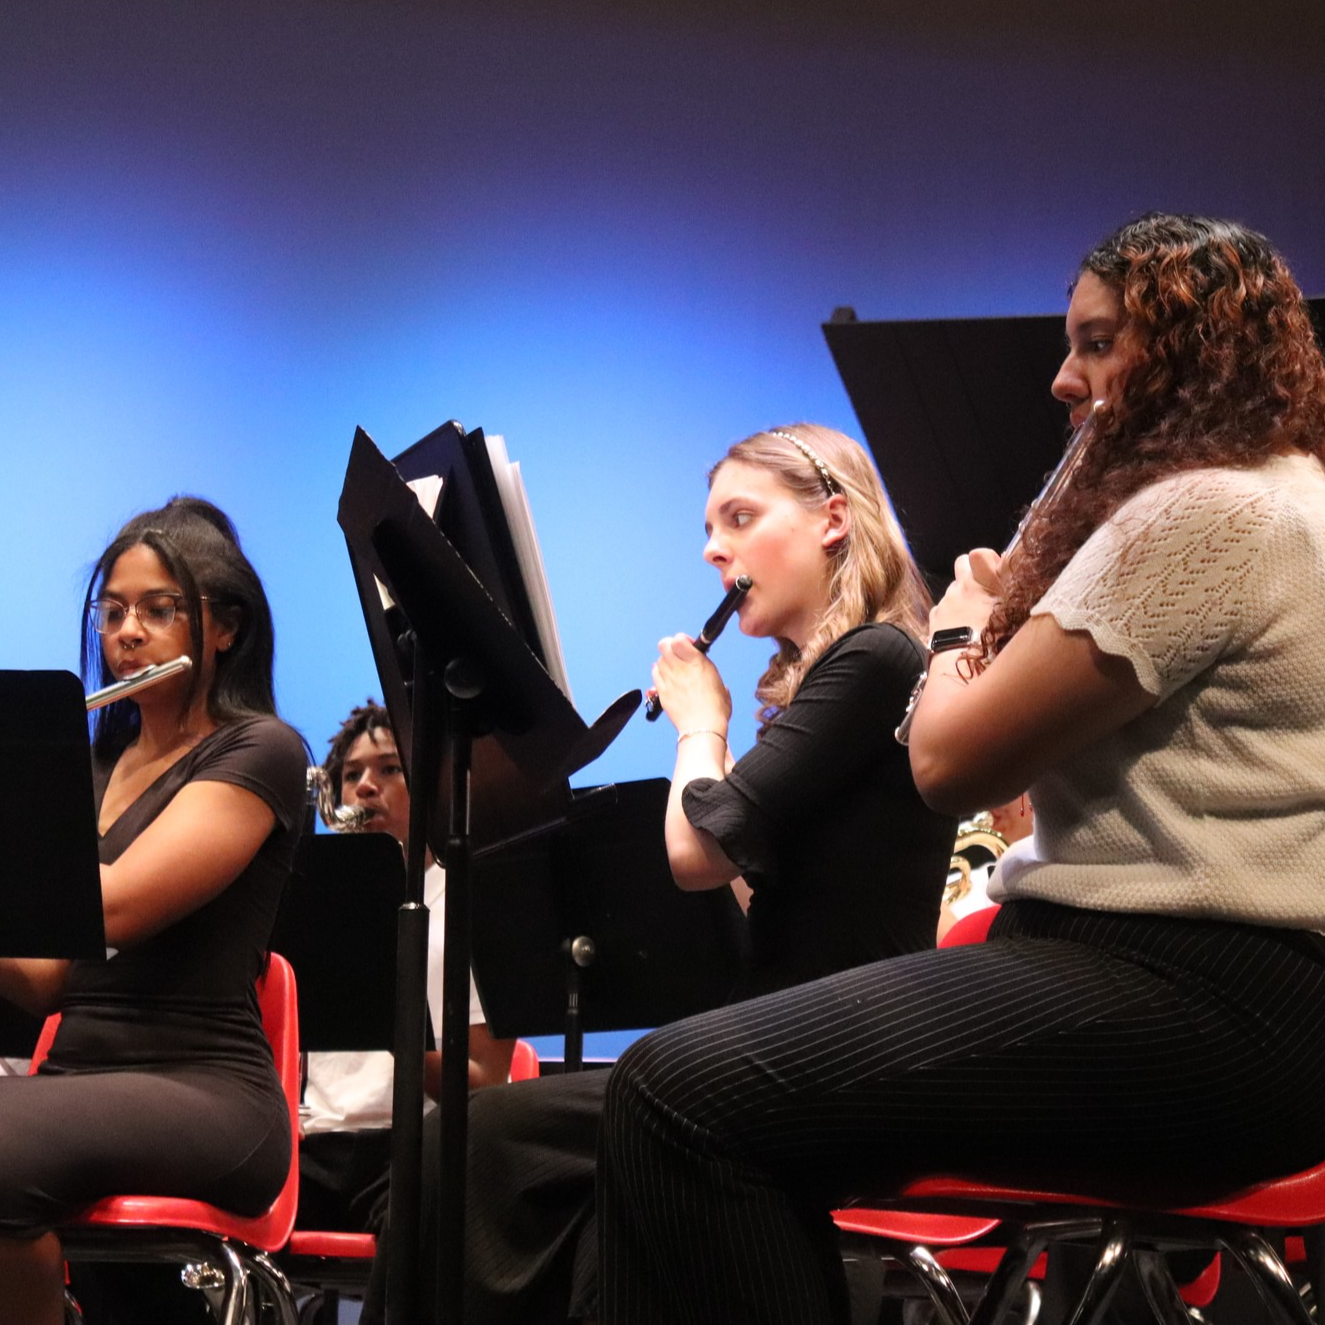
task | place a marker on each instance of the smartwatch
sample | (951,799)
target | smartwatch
(954,637)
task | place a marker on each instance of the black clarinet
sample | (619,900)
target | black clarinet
(712,629)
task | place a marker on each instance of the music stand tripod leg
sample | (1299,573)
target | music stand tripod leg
(464,685)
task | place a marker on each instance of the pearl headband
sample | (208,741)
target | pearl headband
(829,482)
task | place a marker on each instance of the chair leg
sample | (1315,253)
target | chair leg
(322,1308)
(235,1298)
(949,1309)
(1313,1293)
(274,1288)
(924,1269)
(1160,1290)
(1114,1247)
(1005,1284)
(1267,1272)
(1033,1303)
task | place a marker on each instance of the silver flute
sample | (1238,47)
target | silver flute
(1063,471)
(148,677)
(1054,484)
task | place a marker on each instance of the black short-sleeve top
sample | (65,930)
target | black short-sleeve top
(846,862)
(186,994)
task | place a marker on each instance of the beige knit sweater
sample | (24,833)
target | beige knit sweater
(1211,803)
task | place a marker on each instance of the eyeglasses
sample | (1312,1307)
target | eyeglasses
(154,612)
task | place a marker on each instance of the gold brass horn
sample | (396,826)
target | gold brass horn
(978,844)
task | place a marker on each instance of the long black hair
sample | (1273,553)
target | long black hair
(197,544)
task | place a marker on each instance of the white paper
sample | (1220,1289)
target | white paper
(520,519)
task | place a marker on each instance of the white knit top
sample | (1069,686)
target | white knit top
(1211,803)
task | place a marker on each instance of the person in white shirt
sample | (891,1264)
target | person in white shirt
(981,840)
(345,1119)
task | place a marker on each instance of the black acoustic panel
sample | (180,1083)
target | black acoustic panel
(960,420)
(958,414)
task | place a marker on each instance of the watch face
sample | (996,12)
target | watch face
(954,637)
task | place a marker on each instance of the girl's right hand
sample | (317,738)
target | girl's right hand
(689,686)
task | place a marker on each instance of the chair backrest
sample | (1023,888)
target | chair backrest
(278,1006)
(48,1029)
(278,1003)
(524,1062)
(971,928)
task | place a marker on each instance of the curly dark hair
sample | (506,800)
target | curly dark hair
(369,716)
(197,544)
(1223,369)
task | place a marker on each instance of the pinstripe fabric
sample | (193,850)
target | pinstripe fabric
(802,814)
(530,1181)
(1074,1045)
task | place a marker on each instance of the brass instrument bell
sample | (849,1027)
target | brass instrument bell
(978,844)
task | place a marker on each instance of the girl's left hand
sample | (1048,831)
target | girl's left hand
(971,595)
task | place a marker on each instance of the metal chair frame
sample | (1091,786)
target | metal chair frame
(331,1263)
(1026,1222)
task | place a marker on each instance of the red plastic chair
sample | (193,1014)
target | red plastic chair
(1126,1230)
(971,928)
(329,1263)
(225,1253)
(524,1061)
(1123,1229)
(923,1243)
(937,1246)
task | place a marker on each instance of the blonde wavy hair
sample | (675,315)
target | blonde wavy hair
(874,575)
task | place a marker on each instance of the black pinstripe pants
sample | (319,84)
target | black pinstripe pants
(1073,1046)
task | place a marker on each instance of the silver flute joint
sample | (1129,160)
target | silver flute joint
(148,677)
(1054,484)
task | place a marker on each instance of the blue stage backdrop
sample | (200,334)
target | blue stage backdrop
(230,232)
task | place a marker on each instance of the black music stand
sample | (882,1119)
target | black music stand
(337,929)
(958,414)
(50,902)
(505,725)
(50,898)
(605,940)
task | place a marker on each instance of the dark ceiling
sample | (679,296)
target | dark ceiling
(1293,28)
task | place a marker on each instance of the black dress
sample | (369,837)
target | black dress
(846,862)
(847,866)
(160,1079)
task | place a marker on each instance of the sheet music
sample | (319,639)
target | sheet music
(520,519)
(428,491)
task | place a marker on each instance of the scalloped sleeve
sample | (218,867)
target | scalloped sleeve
(1170,581)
